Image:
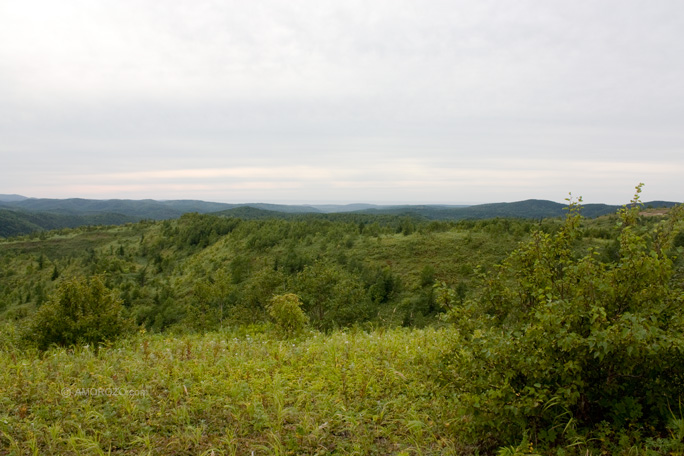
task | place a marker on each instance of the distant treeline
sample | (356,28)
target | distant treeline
(23,216)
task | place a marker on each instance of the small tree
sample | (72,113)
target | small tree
(286,311)
(81,310)
(332,296)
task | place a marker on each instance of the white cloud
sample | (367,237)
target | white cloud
(406,181)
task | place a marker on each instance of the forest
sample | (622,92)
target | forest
(351,333)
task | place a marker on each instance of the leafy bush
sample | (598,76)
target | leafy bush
(286,311)
(82,310)
(561,343)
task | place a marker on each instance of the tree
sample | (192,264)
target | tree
(81,310)
(332,297)
(211,300)
(562,343)
(287,314)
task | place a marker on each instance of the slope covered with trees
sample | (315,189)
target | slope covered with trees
(210,271)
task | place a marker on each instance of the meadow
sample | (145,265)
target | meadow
(230,392)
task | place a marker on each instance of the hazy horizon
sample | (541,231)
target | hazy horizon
(333,203)
(402,102)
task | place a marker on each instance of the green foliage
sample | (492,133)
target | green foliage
(211,301)
(332,297)
(560,341)
(81,311)
(382,284)
(427,276)
(256,293)
(158,269)
(287,314)
(202,230)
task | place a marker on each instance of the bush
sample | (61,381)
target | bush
(331,296)
(286,311)
(561,344)
(81,310)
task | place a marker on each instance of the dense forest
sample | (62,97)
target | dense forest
(348,333)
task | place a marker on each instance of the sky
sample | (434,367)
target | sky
(321,101)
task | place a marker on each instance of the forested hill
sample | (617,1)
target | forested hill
(18,222)
(528,209)
(142,209)
(20,215)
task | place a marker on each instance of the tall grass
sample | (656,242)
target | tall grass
(228,393)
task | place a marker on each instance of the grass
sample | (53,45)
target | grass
(348,392)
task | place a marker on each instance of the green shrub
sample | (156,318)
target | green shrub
(561,343)
(288,316)
(331,296)
(81,310)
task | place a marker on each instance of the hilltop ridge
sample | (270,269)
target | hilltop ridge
(22,215)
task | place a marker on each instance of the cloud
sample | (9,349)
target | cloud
(414,180)
(411,99)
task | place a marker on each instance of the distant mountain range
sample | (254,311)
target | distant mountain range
(21,215)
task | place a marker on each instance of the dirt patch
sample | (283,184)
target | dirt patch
(654,212)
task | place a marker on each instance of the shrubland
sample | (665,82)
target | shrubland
(353,334)
(204,272)
(562,348)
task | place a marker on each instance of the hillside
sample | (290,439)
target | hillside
(383,260)
(417,336)
(20,215)
(14,222)
(384,264)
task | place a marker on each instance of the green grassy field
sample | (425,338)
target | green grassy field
(231,392)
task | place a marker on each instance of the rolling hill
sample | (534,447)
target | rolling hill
(20,215)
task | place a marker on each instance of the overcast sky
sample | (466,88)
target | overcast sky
(342,101)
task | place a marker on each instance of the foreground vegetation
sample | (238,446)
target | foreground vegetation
(230,393)
(364,335)
(562,347)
